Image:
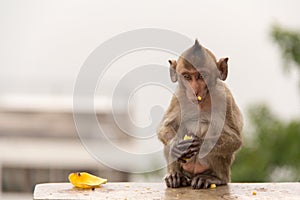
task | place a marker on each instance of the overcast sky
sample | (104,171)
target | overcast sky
(45,43)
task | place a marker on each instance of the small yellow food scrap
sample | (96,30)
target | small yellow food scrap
(187,137)
(254,193)
(213,186)
(86,180)
(199,98)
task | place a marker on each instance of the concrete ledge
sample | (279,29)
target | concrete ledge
(126,191)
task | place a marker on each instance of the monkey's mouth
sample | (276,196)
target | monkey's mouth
(200,98)
(195,99)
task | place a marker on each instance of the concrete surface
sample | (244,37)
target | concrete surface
(126,191)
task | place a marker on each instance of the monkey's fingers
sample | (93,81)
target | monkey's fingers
(173,180)
(176,153)
(190,153)
(186,144)
(197,182)
(196,143)
(204,181)
(200,182)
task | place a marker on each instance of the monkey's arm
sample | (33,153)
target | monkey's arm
(231,136)
(175,146)
(230,139)
(170,123)
(171,134)
(166,132)
(176,151)
(227,144)
(221,153)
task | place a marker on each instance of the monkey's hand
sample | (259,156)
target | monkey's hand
(185,149)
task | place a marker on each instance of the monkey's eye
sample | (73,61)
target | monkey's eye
(187,77)
(202,76)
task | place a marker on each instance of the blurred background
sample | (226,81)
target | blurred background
(45,43)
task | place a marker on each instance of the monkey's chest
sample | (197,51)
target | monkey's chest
(197,127)
(194,167)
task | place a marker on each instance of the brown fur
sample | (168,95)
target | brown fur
(180,117)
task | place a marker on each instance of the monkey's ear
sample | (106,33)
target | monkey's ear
(173,73)
(223,68)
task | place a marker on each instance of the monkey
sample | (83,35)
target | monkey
(204,108)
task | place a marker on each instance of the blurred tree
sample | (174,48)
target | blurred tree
(272,149)
(289,43)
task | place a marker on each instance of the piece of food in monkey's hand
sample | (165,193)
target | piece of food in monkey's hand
(85,180)
(199,98)
(212,186)
(187,137)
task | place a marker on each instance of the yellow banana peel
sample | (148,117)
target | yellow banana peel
(86,180)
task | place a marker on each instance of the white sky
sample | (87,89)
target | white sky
(43,44)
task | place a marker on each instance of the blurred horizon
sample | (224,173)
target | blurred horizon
(44,44)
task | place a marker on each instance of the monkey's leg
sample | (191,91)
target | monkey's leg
(204,181)
(219,173)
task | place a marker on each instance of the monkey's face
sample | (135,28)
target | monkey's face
(196,82)
(197,72)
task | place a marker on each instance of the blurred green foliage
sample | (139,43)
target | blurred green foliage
(272,146)
(289,43)
(271,150)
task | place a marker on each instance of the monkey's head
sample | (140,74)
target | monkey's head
(197,71)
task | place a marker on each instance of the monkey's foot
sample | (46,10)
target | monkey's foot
(175,180)
(204,181)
